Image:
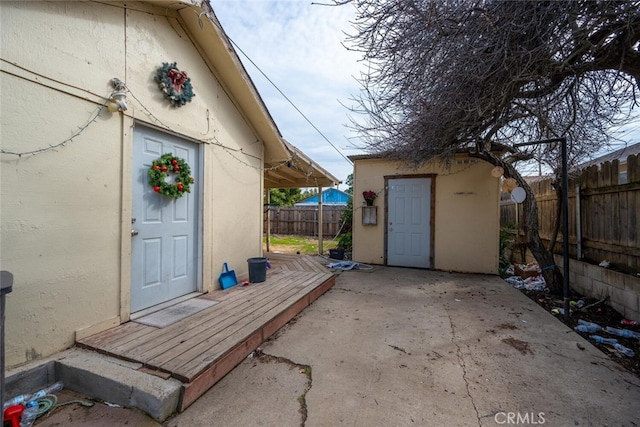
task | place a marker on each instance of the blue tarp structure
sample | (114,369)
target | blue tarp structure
(330,196)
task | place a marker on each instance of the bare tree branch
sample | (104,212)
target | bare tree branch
(465,74)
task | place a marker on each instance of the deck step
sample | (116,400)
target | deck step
(198,351)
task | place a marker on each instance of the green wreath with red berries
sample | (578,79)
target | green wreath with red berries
(166,165)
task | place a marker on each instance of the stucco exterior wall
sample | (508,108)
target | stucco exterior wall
(466,229)
(66,213)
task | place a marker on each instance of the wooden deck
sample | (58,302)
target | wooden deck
(202,348)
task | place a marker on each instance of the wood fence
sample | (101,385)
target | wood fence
(303,220)
(603,214)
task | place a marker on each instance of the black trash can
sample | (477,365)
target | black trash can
(337,253)
(257,269)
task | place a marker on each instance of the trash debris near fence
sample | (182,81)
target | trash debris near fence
(344,265)
(350,265)
(625,333)
(602,340)
(526,276)
(527,270)
(613,343)
(587,327)
(532,283)
(576,304)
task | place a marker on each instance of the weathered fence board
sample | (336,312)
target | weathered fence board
(608,213)
(303,220)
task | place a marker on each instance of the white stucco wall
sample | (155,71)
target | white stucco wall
(466,213)
(66,213)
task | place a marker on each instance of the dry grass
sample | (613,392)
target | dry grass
(298,244)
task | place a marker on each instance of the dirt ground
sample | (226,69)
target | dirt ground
(595,311)
(75,409)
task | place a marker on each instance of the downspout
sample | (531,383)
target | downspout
(268,215)
(578,224)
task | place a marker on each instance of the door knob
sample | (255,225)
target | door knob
(134,232)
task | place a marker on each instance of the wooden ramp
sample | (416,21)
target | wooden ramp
(199,350)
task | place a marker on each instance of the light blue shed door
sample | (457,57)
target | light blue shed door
(164,244)
(409,222)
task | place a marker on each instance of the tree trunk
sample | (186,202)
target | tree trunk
(544,257)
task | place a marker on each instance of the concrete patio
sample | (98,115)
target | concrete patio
(396,346)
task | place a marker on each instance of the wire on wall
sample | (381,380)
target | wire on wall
(54,147)
(291,162)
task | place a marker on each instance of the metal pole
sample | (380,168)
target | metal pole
(6,285)
(320,221)
(268,214)
(565,230)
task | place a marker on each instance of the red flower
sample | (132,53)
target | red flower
(369,196)
(177,78)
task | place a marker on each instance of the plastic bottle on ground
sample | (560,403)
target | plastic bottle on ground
(30,413)
(599,339)
(18,400)
(587,327)
(24,398)
(624,350)
(625,333)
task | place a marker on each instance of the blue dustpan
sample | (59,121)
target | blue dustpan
(227,278)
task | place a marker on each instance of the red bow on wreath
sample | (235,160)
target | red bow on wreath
(177,78)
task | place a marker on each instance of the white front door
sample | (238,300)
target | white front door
(409,222)
(164,242)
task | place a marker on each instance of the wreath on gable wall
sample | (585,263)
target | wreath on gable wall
(160,170)
(174,84)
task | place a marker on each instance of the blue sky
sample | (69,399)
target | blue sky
(299,47)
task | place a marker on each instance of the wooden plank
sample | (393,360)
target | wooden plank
(177,338)
(205,355)
(204,346)
(613,249)
(326,285)
(633,202)
(205,349)
(206,380)
(614,235)
(313,264)
(123,346)
(633,168)
(284,317)
(197,359)
(131,333)
(110,336)
(605,174)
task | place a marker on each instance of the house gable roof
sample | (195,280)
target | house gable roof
(285,165)
(621,154)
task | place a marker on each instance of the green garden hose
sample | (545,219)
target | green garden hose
(50,402)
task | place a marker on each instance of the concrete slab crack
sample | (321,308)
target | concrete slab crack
(302,369)
(463,365)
